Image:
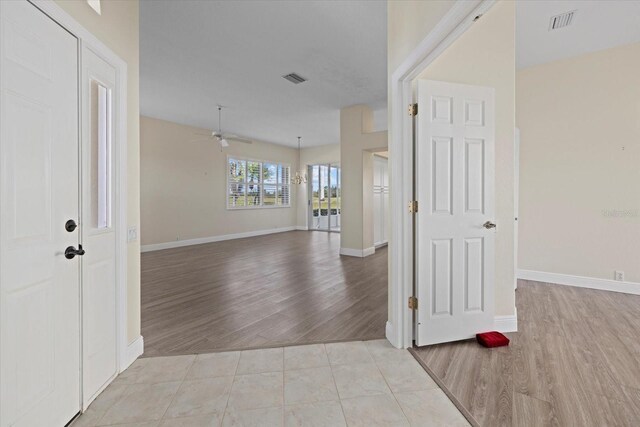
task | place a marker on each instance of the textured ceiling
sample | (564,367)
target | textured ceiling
(197,54)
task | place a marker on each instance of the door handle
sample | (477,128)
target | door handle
(489,225)
(71,252)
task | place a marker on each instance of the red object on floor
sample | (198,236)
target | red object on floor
(492,339)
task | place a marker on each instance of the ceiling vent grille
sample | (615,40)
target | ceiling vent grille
(295,78)
(562,20)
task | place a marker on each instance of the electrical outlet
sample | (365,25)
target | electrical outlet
(619,276)
(132,234)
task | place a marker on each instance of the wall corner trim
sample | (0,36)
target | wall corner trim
(211,239)
(360,253)
(133,351)
(580,281)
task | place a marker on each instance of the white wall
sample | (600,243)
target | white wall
(579,120)
(183,185)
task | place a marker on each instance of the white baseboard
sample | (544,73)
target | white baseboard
(390,335)
(201,240)
(360,253)
(580,281)
(132,352)
(302,228)
(506,323)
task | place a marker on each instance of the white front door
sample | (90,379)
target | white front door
(39,286)
(98,225)
(455,192)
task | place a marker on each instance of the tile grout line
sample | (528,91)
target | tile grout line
(283,391)
(338,391)
(178,390)
(233,381)
(388,385)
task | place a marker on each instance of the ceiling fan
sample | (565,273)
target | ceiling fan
(221,137)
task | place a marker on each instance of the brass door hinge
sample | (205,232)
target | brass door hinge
(413,303)
(413,206)
(413,110)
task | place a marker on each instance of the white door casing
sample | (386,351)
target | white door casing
(455,190)
(516,199)
(39,287)
(98,225)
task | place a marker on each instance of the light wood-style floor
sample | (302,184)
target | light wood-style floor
(274,290)
(575,361)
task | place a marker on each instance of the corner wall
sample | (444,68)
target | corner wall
(357,143)
(118,29)
(579,121)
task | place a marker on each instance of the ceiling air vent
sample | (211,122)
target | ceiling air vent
(295,78)
(562,20)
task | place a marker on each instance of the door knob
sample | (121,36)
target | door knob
(489,225)
(70,225)
(71,252)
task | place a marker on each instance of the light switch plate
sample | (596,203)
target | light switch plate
(132,234)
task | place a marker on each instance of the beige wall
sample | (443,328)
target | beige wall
(357,143)
(183,185)
(117,28)
(408,23)
(579,121)
(321,154)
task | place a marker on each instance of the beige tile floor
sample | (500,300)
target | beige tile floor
(363,383)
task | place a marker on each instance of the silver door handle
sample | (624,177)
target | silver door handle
(489,225)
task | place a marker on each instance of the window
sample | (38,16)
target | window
(100,155)
(255,184)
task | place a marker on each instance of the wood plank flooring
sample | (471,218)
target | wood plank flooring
(274,290)
(575,361)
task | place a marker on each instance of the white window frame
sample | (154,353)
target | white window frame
(260,183)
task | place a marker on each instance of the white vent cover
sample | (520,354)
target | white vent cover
(562,20)
(295,78)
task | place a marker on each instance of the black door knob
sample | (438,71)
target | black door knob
(70,225)
(71,252)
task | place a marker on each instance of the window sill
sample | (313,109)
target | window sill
(252,208)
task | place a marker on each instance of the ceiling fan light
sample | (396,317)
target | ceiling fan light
(224,143)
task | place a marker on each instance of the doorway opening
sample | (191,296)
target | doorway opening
(325,197)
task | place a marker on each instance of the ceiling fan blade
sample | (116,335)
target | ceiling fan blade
(237,138)
(201,140)
(203,134)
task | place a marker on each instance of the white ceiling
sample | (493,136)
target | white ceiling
(197,54)
(596,25)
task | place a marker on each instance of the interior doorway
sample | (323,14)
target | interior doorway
(325,198)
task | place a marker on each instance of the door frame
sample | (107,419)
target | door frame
(127,353)
(461,16)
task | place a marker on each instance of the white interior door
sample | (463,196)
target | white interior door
(39,286)
(98,225)
(455,191)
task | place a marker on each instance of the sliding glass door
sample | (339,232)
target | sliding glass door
(325,197)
